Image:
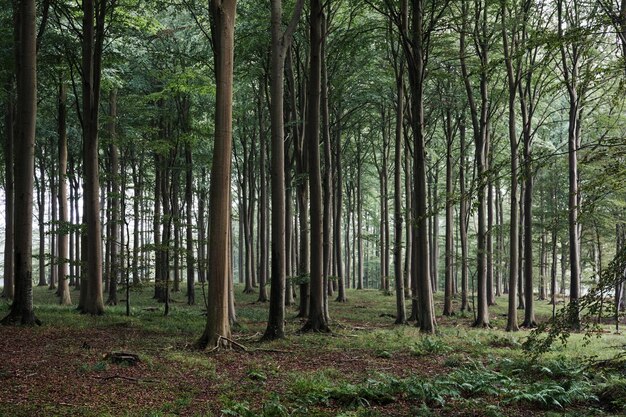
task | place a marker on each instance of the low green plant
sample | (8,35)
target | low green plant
(430,346)
(238,409)
(551,394)
(612,393)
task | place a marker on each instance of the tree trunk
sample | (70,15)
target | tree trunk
(71,225)
(92,42)
(343,278)
(421,271)
(262,199)
(570,75)
(63,239)
(359,210)
(449,255)
(78,271)
(138,191)
(511,324)
(218,326)
(114,217)
(520,249)
(26,70)
(156,227)
(463,216)
(191,288)
(9,190)
(280,43)
(41,220)
(397,179)
(53,221)
(202,265)
(480,124)
(317,319)
(529,307)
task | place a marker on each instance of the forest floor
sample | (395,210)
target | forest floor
(367,366)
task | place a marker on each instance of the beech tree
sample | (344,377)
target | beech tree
(26,114)
(317,320)
(281,41)
(217,331)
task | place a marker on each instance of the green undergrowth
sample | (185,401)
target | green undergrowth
(386,369)
(553,385)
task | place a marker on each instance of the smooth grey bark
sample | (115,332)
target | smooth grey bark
(63,231)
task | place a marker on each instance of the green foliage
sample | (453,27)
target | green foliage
(429,345)
(612,393)
(592,305)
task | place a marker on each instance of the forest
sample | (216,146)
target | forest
(312,208)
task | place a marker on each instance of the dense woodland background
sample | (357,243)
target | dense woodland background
(249,202)
(457,154)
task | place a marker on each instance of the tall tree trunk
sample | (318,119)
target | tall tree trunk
(529,307)
(434,243)
(554,263)
(78,272)
(397,177)
(544,267)
(26,71)
(421,272)
(480,124)
(174,199)
(410,291)
(263,238)
(9,190)
(70,226)
(53,221)
(317,319)
(570,75)
(449,255)
(156,227)
(138,230)
(520,245)
(359,210)
(327,202)
(463,216)
(63,239)
(280,45)
(92,42)
(202,265)
(41,220)
(490,232)
(511,324)
(114,217)
(342,275)
(218,326)
(191,288)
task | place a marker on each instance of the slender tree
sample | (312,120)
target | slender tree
(9,190)
(416,47)
(280,45)
(63,239)
(317,319)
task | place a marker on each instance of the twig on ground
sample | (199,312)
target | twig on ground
(127,378)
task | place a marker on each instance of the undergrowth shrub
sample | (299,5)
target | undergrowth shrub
(430,346)
(612,393)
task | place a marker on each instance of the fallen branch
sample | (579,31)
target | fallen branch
(244,348)
(127,378)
